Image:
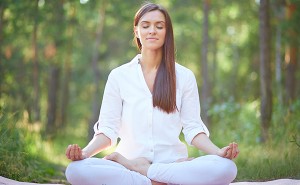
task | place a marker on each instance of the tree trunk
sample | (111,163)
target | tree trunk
(265,69)
(96,103)
(214,66)
(278,56)
(67,74)
(235,68)
(1,54)
(278,8)
(58,36)
(36,86)
(291,58)
(205,94)
(65,87)
(52,98)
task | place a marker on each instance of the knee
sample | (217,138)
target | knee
(227,171)
(74,173)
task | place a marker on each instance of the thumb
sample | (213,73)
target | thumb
(224,150)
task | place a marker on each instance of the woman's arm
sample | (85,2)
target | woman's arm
(96,145)
(203,143)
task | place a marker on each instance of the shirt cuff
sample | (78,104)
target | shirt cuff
(189,138)
(108,133)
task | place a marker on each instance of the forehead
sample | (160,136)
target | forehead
(153,16)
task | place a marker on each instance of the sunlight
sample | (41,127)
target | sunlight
(41,3)
(83,1)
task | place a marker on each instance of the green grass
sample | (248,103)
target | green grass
(26,155)
(266,162)
(278,158)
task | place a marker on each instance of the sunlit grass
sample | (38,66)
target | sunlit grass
(27,155)
(277,158)
(265,162)
(24,155)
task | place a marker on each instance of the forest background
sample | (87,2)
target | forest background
(55,57)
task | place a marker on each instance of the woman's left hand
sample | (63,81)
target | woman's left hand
(230,152)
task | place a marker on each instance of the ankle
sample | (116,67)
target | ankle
(157,183)
(142,166)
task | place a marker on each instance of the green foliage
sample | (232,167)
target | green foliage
(233,62)
(268,161)
(22,156)
(278,158)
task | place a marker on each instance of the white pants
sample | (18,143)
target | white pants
(205,170)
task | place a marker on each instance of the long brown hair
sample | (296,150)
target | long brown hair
(164,89)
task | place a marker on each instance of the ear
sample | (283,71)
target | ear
(136,33)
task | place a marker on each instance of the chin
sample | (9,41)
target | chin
(153,47)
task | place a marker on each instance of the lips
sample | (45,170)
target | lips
(151,38)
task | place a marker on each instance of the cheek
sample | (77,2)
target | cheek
(142,34)
(163,34)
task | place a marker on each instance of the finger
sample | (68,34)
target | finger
(79,154)
(224,151)
(72,152)
(229,152)
(237,153)
(68,151)
(234,150)
(76,152)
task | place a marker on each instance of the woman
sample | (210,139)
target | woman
(147,102)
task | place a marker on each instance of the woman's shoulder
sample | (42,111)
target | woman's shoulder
(182,70)
(124,68)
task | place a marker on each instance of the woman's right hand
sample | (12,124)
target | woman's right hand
(74,153)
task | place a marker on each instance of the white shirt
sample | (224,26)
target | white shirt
(145,131)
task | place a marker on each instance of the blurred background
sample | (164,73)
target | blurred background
(55,56)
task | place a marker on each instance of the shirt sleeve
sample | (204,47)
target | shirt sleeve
(109,121)
(190,110)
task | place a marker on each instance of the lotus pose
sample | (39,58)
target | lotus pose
(147,102)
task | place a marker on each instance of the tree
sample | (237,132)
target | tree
(205,94)
(62,117)
(96,70)
(2,7)
(278,8)
(291,52)
(57,35)
(265,69)
(36,86)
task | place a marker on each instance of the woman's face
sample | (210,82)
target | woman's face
(151,30)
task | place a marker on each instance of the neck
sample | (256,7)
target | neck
(151,60)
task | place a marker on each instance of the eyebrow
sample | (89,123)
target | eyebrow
(155,22)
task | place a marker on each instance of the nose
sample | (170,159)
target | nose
(152,30)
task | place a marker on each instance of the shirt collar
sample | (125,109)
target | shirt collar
(135,60)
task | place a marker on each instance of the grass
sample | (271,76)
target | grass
(266,162)
(24,156)
(27,156)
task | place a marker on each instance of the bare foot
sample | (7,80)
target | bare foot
(139,165)
(184,159)
(157,183)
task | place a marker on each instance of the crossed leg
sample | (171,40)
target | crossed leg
(205,170)
(140,165)
(97,171)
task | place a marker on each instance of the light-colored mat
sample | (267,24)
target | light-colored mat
(5,181)
(273,182)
